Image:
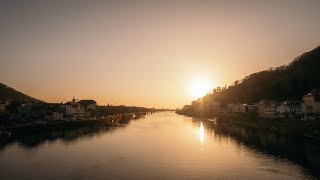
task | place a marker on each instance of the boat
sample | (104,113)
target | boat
(213,120)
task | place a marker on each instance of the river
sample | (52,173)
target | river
(159,146)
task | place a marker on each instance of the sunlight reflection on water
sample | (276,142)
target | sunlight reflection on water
(201,133)
(159,146)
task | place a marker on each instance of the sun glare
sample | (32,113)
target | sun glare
(199,88)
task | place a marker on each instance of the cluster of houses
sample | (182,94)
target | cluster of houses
(73,110)
(269,108)
(79,109)
(309,107)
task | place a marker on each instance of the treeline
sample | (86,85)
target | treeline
(287,82)
(114,110)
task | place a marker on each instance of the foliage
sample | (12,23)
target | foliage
(114,110)
(287,82)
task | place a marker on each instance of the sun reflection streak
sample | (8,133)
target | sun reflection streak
(201,133)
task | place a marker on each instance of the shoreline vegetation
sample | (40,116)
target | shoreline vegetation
(7,130)
(284,100)
(294,128)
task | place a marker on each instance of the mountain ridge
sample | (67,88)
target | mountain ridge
(286,82)
(10,94)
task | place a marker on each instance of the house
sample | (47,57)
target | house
(267,108)
(57,116)
(243,108)
(75,110)
(288,108)
(92,107)
(311,102)
(233,108)
(295,107)
(283,108)
(253,107)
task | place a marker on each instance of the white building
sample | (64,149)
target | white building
(267,108)
(242,108)
(75,110)
(311,102)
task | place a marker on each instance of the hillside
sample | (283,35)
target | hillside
(287,82)
(8,93)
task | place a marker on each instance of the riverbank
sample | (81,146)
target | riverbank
(110,121)
(281,126)
(140,149)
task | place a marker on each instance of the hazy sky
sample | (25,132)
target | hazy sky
(146,53)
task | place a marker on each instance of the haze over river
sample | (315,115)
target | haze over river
(159,146)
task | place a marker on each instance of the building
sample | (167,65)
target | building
(92,107)
(57,116)
(242,108)
(75,110)
(311,102)
(267,108)
(253,107)
(289,108)
(87,103)
(233,108)
(283,108)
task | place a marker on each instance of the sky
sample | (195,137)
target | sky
(147,53)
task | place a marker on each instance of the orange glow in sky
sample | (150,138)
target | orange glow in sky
(199,87)
(147,53)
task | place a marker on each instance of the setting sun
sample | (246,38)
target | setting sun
(199,87)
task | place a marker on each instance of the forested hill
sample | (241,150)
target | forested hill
(9,94)
(287,82)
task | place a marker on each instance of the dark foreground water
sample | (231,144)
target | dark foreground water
(159,146)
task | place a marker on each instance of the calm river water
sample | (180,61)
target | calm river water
(159,146)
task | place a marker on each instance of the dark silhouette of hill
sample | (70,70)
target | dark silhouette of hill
(287,82)
(9,94)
